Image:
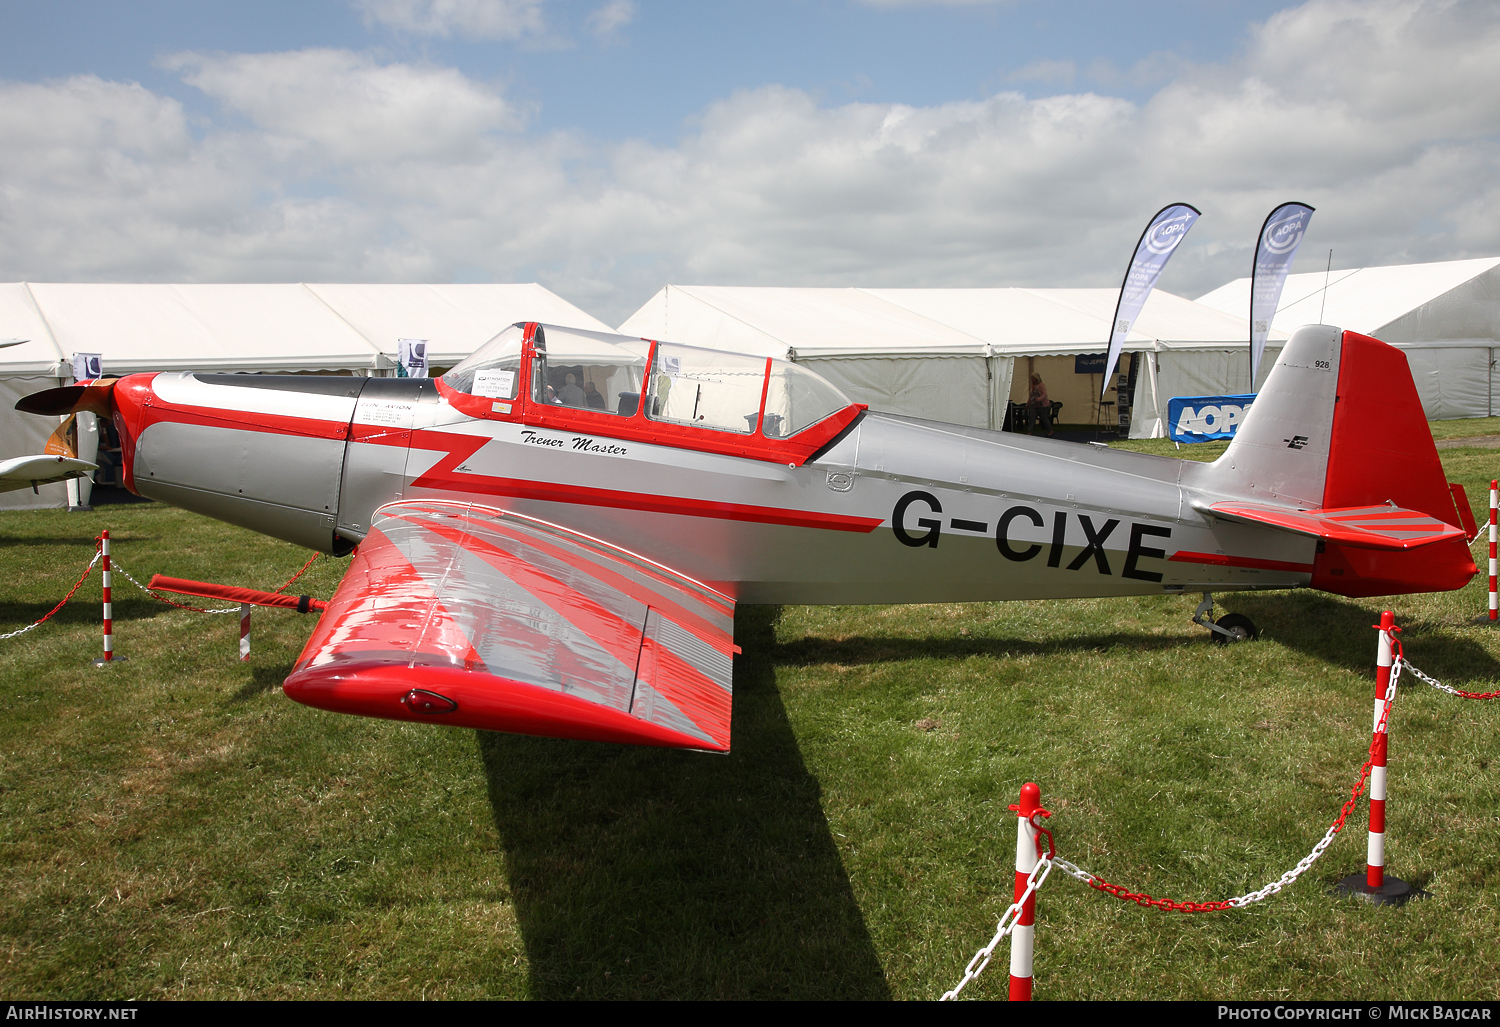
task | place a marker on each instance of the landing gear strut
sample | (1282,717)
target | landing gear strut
(1232,627)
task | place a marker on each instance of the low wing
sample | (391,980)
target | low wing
(470,616)
(24,472)
(1367,527)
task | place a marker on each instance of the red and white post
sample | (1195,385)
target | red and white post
(109,606)
(1373,884)
(1375,854)
(1023,935)
(245,609)
(1494,562)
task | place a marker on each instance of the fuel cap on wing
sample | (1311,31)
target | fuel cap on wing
(421,701)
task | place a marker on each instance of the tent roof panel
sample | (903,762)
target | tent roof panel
(454,319)
(891,322)
(1359,299)
(823,321)
(170,327)
(20,319)
(260,327)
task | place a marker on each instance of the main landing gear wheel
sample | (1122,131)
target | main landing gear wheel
(1237,628)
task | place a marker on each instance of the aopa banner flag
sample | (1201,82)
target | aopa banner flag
(1157,244)
(411,358)
(1279,238)
(1205,418)
(87,366)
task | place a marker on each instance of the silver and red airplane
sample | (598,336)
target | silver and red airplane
(551,538)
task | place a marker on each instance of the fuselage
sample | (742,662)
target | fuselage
(886,510)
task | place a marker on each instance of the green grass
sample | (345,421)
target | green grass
(173,827)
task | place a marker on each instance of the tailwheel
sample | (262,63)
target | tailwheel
(1235,627)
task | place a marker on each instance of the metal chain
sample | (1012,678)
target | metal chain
(115,565)
(1435,683)
(299,574)
(98,554)
(1303,865)
(1006,925)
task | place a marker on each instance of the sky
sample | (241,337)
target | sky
(608,147)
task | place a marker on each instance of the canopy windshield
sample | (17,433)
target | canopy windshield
(712,389)
(703,388)
(592,370)
(797,398)
(493,370)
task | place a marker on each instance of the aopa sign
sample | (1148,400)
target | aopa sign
(1205,418)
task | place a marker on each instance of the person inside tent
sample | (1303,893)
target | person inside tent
(1038,406)
(572,395)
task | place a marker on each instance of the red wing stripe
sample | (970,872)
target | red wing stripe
(490,518)
(1220,560)
(703,701)
(710,633)
(600,624)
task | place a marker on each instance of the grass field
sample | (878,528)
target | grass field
(173,827)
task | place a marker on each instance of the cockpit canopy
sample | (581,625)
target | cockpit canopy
(708,389)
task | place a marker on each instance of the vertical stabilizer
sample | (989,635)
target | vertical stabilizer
(1280,453)
(1337,446)
(1382,448)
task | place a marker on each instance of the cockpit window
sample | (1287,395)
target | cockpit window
(796,399)
(493,370)
(706,388)
(685,385)
(589,370)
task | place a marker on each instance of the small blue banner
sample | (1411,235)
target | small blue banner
(1089,363)
(1205,418)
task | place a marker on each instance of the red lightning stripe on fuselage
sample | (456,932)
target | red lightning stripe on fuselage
(445,476)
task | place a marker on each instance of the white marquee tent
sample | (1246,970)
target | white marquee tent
(951,354)
(268,328)
(1445,316)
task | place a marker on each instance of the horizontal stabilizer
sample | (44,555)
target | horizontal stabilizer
(1366,527)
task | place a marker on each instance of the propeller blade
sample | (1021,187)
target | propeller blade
(96,398)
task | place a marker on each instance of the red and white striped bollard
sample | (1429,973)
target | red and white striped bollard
(109,606)
(1494,562)
(1375,853)
(245,632)
(1023,935)
(1373,884)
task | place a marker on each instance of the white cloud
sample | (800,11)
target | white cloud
(331,165)
(611,17)
(467,19)
(351,107)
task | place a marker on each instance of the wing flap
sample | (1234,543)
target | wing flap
(1365,527)
(520,626)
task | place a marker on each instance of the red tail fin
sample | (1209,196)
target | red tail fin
(1381,452)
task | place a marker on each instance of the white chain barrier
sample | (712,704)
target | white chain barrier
(1401,663)
(1285,880)
(149,592)
(98,555)
(1007,924)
